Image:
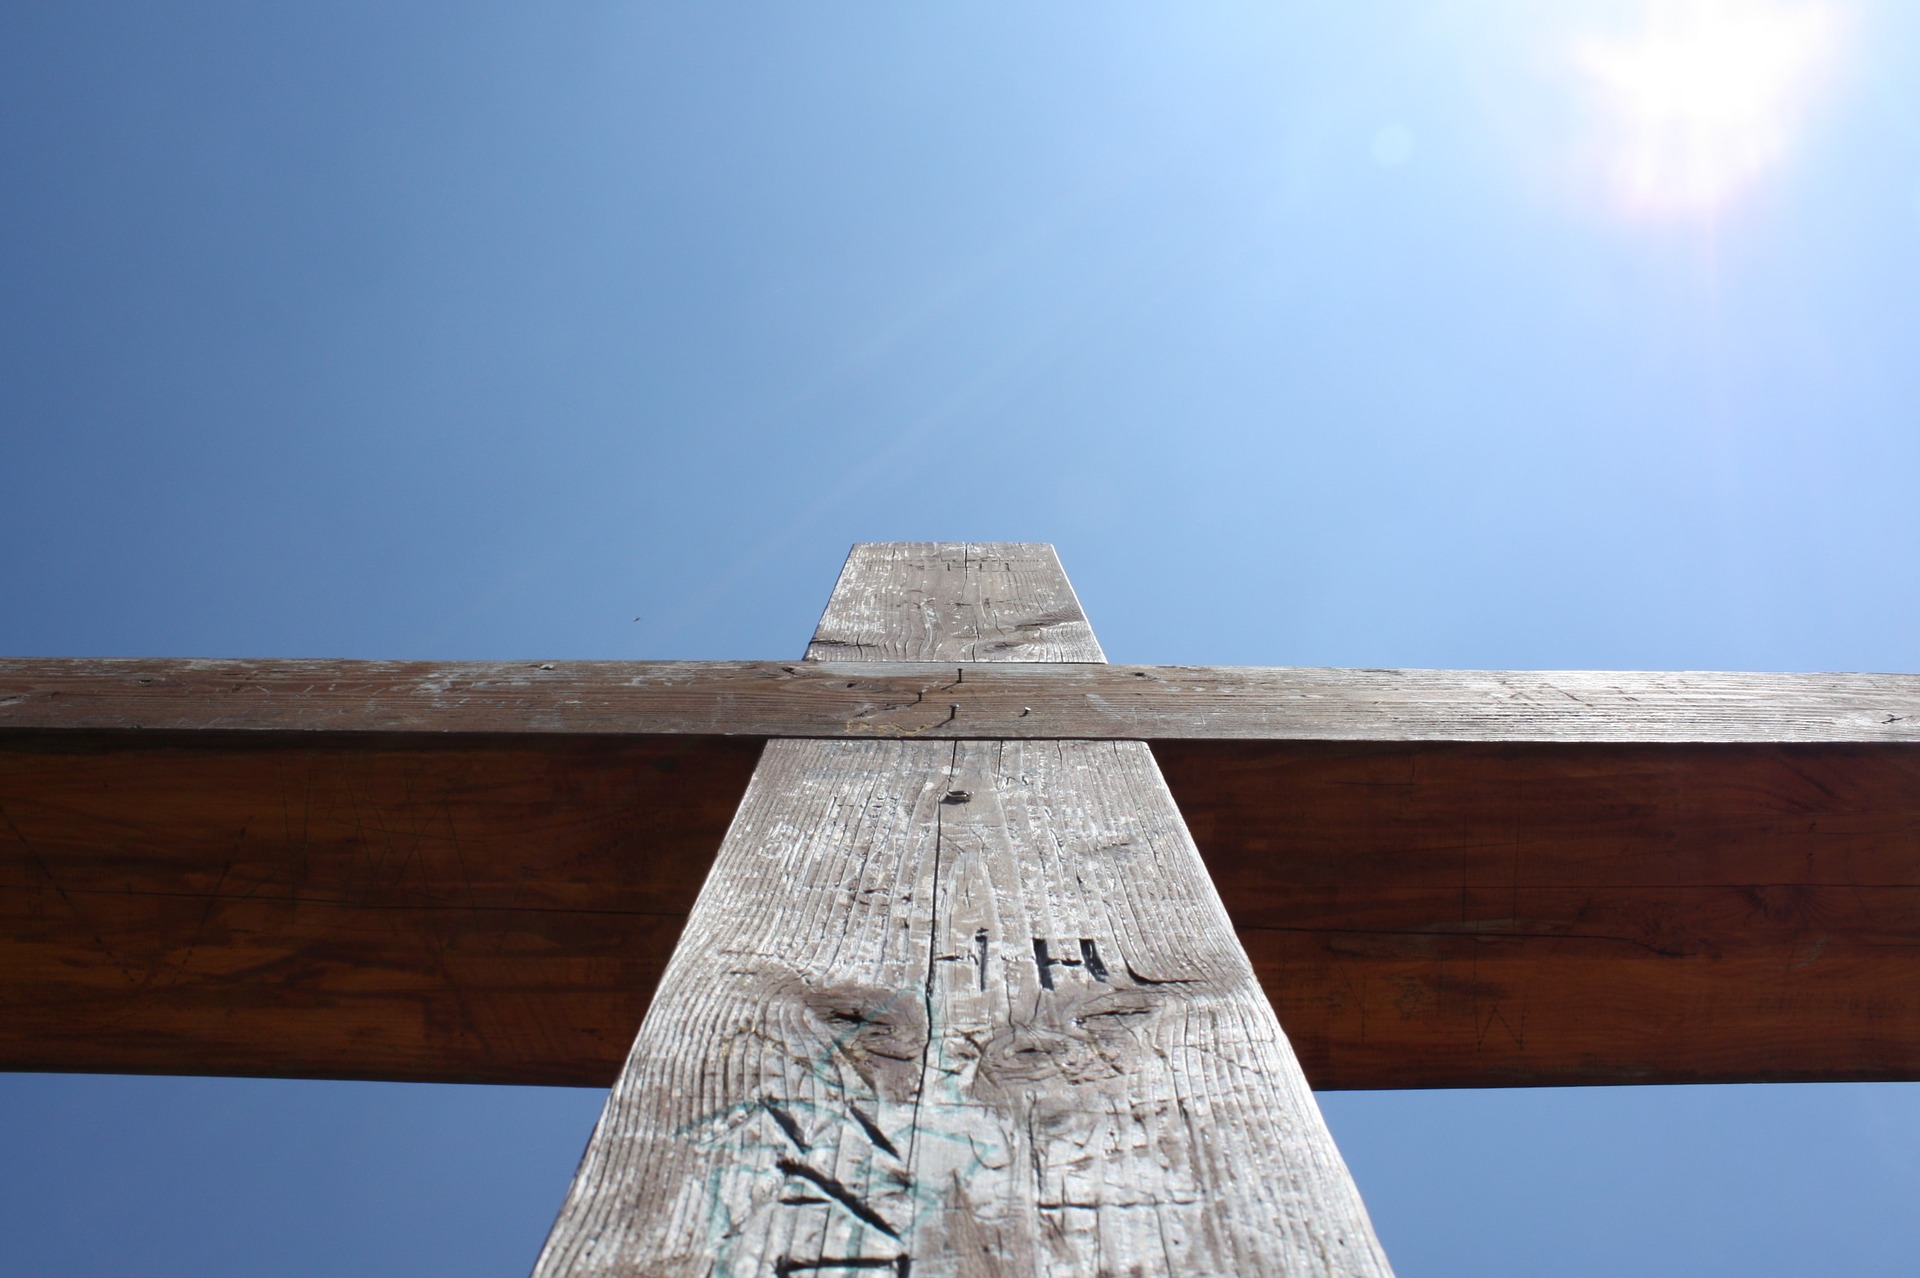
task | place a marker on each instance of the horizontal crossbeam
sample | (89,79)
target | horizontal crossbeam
(495,907)
(1030,701)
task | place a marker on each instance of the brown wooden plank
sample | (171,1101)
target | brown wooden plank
(491,910)
(1441,915)
(959,698)
(965,1009)
(1682,913)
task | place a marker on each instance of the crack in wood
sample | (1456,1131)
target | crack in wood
(901,1264)
(785,1122)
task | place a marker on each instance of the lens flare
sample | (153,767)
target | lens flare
(1704,99)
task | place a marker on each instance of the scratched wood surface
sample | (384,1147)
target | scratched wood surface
(960,1008)
(953,601)
(962,699)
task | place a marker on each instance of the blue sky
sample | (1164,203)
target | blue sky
(1470,334)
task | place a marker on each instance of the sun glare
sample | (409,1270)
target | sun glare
(1703,99)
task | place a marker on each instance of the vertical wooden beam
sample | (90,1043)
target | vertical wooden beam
(960,1008)
(953,601)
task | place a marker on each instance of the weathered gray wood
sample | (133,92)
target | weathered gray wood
(1071,1071)
(954,699)
(960,1008)
(953,601)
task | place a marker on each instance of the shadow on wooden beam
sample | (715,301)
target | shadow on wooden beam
(485,910)
(498,909)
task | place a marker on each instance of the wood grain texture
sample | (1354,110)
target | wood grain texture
(960,699)
(1070,1071)
(460,910)
(494,910)
(959,1008)
(1488,915)
(953,601)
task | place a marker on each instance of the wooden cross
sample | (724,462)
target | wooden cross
(958,995)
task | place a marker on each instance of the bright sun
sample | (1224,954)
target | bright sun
(1704,98)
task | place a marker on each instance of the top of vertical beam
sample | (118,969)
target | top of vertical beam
(953,601)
